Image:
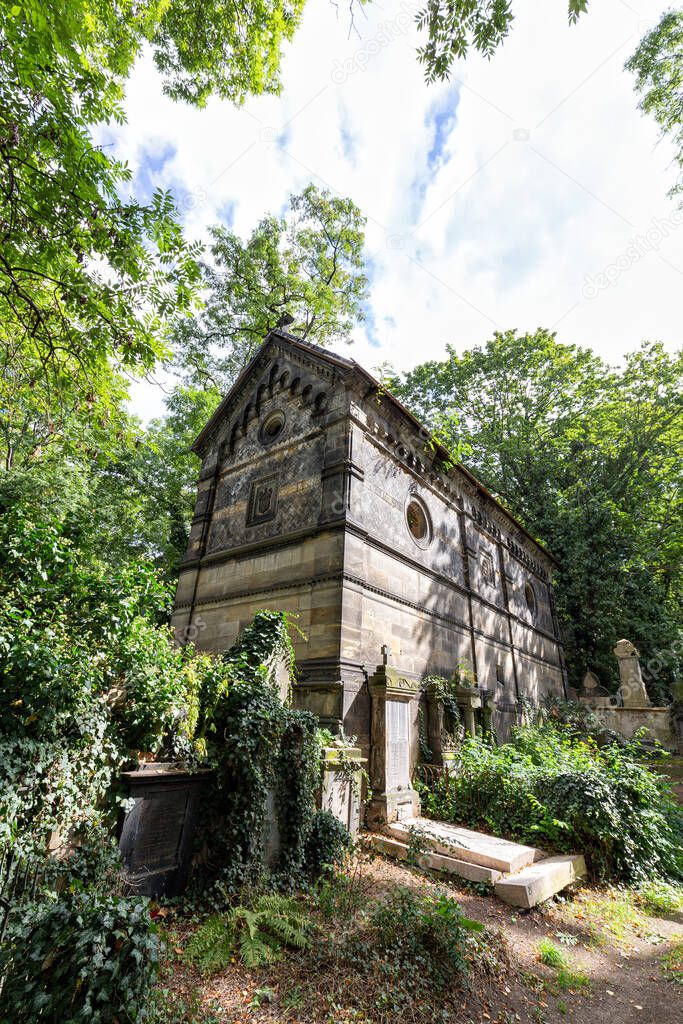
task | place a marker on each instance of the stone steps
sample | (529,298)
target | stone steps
(542,880)
(522,876)
(464,844)
(434,861)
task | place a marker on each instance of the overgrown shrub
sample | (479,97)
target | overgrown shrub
(416,932)
(413,949)
(260,746)
(266,759)
(549,788)
(659,897)
(88,675)
(326,843)
(84,957)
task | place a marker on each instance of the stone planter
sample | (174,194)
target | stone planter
(469,701)
(155,835)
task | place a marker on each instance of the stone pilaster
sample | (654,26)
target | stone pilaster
(393,797)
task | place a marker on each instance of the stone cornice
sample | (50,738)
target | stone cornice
(454,486)
(271,544)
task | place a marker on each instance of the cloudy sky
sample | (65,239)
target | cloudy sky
(528,191)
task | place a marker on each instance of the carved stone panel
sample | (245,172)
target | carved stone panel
(398,749)
(263,500)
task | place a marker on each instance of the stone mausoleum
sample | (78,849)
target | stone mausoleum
(321,495)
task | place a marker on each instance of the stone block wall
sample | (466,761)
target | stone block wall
(302,506)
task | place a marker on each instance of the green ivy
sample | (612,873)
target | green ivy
(326,843)
(84,957)
(446,692)
(257,745)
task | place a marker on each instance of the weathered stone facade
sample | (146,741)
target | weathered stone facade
(320,495)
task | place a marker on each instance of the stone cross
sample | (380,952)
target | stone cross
(632,687)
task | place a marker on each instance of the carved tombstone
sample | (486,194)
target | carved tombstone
(632,688)
(591,683)
(392,795)
(593,693)
(342,783)
(156,832)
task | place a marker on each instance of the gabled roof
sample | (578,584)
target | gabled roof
(350,365)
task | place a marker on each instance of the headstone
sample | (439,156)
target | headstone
(280,675)
(632,688)
(392,794)
(593,693)
(156,832)
(342,784)
(591,682)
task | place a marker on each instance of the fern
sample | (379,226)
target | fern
(257,934)
(211,947)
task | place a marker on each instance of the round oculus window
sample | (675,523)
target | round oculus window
(417,519)
(272,427)
(530,598)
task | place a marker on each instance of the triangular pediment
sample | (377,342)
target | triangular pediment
(281,363)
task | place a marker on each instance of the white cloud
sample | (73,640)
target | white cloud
(546,176)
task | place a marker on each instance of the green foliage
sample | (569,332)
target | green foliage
(90,279)
(308,265)
(586,456)
(421,939)
(233,50)
(453,27)
(658,67)
(87,278)
(551,955)
(168,1006)
(257,933)
(672,964)
(659,897)
(258,746)
(445,691)
(342,893)
(551,789)
(86,957)
(88,677)
(569,980)
(161,474)
(580,721)
(566,978)
(326,844)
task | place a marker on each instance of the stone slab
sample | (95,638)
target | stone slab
(542,880)
(434,861)
(466,845)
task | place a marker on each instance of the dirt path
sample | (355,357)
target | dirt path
(627,983)
(614,950)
